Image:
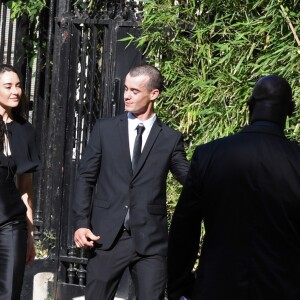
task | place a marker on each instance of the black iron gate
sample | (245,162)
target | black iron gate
(78,76)
(99,64)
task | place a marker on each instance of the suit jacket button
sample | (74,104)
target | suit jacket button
(126,206)
(131,186)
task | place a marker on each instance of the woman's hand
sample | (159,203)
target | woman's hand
(30,249)
(24,184)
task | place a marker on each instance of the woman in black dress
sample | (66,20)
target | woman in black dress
(18,159)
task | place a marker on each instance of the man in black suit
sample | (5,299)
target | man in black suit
(246,189)
(126,223)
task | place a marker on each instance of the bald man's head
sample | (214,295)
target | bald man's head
(271,100)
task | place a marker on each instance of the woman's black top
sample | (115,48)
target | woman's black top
(24,158)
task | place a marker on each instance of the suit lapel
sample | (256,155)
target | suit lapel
(123,133)
(155,130)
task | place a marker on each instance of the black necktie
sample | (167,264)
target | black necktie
(135,158)
(137,146)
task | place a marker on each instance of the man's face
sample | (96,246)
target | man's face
(137,97)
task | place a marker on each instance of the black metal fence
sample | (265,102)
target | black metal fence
(76,76)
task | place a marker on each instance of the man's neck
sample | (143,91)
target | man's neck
(266,123)
(144,117)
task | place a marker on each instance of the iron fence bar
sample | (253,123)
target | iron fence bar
(48,58)
(28,79)
(41,115)
(80,118)
(54,172)
(63,7)
(68,269)
(22,31)
(37,86)
(77,123)
(37,216)
(107,67)
(9,42)
(84,83)
(70,165)
(91,79)
(4,13)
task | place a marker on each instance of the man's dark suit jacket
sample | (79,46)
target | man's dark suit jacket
(106,163)
(246,188)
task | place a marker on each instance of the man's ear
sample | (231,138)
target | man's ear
(291,108)
(154,94)
(250,103)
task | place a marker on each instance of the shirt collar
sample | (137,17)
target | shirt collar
(134,121)
(265,123)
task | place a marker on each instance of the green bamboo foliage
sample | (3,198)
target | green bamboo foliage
(212,52)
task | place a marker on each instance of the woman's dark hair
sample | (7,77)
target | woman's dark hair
(18,112)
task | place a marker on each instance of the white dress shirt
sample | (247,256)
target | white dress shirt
(133,122)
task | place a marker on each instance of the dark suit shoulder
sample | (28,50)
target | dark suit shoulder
(248,139)
(169,130)
(112,119)
(213,144)
(109,121)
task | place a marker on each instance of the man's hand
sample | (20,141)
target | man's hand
(84,237)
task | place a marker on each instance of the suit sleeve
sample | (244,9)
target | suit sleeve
(184,235)
(179,163)
(86,180)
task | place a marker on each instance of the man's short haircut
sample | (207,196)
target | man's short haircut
(155,77)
